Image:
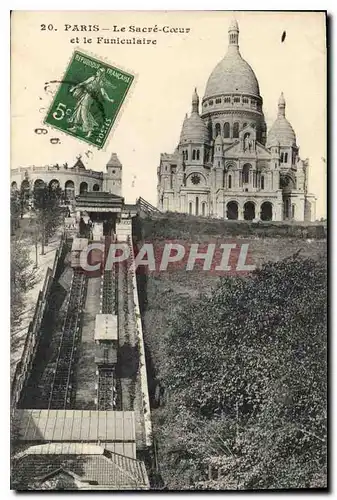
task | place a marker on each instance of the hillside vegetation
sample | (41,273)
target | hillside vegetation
(174,225)
(238,364)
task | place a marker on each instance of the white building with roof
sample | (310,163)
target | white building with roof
(73,181)
(226,165)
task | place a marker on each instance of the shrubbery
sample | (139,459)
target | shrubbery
(23,278)
(245,375)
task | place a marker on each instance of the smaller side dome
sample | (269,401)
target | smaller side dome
(194,128)
(281,132)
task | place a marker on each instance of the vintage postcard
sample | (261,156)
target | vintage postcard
(168,250)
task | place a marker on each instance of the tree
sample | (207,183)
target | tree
(47,210)
(15,206)
(23,278)
(246,376)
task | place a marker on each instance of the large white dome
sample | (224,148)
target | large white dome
(232,75)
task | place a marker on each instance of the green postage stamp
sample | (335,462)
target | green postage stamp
(89,99)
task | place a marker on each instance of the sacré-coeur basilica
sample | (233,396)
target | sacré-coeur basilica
(226,165)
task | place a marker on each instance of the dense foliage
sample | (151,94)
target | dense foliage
(246,378)
(48,213)
(15,210)
(23,278)
(45,215)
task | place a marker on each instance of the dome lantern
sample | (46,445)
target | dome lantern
(233,35)
(195,102)
(281,106)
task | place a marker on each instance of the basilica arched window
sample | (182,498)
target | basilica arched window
(197,205)
(285,157)
(229,181)
(262,181)
(193,154)
(217,129)
(203,209)
(190,208)
(198,154)
(293,211)
(236,130)
(281,157)
(226,130)
(245,174)
(218,100)
(227,99)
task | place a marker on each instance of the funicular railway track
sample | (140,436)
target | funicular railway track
(107,382)
(106,389)
(61,390)
(127,333)
(109,292)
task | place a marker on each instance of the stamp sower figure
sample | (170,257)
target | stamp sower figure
(86,92)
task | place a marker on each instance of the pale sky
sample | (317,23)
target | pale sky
(167,73)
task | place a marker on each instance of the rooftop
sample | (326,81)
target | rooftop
(74,425)
(98,199)
(96,469)
(106,327)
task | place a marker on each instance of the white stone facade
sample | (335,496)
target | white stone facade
(72,180)
(225,164)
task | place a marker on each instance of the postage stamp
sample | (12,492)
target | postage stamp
(89,99)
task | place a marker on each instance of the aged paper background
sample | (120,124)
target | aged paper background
(167,74)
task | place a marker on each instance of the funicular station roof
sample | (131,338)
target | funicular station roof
(97,449)
(99,202)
